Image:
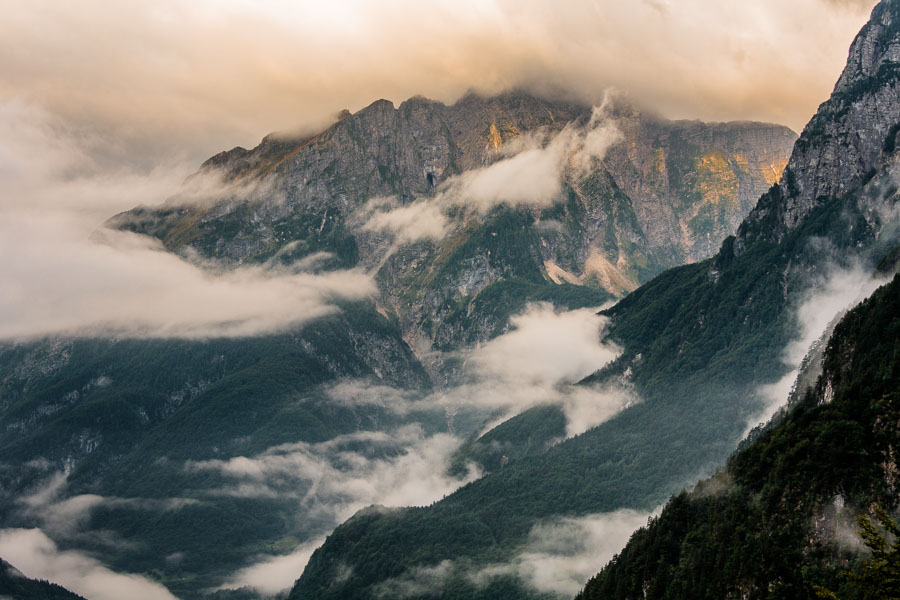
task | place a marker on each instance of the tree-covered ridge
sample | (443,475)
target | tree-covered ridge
(779,518)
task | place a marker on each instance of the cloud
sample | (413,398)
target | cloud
(66,517)
(335,479)
(61,275)
(205,76)
(418,582)
(356,392)
(538,361)
(562,554)
(546,347)
(533,174)
(826,300)
(531,177)
(421,220)
(346,480)
(274,574)
(36,556)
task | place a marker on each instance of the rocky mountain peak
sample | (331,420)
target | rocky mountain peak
(876,46)
(841,145)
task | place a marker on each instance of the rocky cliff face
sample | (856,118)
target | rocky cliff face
(662,194)
(841,146)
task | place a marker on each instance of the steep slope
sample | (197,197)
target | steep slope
(780,518)
(137,437)
(699,343)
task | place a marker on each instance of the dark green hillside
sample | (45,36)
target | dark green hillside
(775,522)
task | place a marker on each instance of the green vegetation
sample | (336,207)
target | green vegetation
(111,404)
(531,433)
(771,524)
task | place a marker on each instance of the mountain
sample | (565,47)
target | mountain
(657,194)
(13,584)
(701,343)
(781,518)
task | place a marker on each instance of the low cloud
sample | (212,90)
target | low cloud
(63,276)
(546,347)
(66,516)
(539,360)
(342,480)
(530,172)
(37,556)
(335,479)
(421,220)
(418,582)
(826,300)
(562,554)
(274,574)
(533,176)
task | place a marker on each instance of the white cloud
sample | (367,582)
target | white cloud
(62,276)
(421,220)
(539,361)
(332,481)
(546,347)
(66,517)
(274,574)
(533,174)
(562,554)
(825,301)
(36,556)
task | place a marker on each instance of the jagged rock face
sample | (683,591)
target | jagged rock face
(689,183)
(840,147)
(665,194)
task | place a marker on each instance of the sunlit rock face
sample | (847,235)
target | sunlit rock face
(518,188)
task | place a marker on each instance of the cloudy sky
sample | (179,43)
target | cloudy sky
(107,105)
(188,78)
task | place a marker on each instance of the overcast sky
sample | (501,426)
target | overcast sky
(146,81)
(108,105)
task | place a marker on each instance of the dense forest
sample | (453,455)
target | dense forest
(792,513)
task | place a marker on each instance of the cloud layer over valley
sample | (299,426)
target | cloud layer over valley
(63,275)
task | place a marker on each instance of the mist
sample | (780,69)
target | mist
(557,559)
(562,554)
(37,557)
(332,481)
(828,297)
(64,274)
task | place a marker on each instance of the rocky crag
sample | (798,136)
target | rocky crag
(664,193)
